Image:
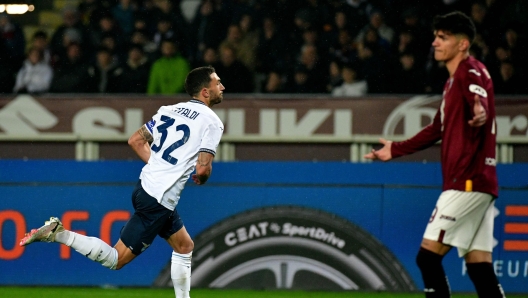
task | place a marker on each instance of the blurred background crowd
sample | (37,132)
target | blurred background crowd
(338,47)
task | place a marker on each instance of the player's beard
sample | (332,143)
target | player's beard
(216,98)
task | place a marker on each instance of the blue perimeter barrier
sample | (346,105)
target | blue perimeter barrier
(392,201)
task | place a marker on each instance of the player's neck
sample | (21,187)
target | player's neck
(452,64)
(206,102)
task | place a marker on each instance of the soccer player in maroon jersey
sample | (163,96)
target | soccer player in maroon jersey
(465,122)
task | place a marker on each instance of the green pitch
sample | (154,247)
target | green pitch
(62,292)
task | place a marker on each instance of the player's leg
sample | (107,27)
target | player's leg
(429,261)
(479,261)
(182,244)
(433,249)
(93,248)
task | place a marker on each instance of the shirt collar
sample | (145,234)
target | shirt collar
(197,101)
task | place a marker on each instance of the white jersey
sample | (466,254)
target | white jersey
(180,132)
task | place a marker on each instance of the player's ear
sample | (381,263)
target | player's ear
(205,92)
(464,44)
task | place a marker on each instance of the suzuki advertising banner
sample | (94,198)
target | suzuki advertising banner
(250,116)
(274,225)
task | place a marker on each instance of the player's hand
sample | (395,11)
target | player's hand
(196,179)
(480,114)
(383,154)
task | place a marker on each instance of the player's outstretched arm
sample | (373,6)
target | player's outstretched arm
(383,154)
(139,141)
(204,167)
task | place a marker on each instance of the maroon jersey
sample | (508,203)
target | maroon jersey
(468,153)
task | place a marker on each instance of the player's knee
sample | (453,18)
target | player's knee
(186,247)
(428,259)
(121,263)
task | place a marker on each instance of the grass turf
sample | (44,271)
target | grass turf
(78,292)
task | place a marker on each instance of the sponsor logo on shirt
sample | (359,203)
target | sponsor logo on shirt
(475,72)
(478,90)
(447,217)
(151,124)
(490,161)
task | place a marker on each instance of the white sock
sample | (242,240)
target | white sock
(93,248)
(181,274)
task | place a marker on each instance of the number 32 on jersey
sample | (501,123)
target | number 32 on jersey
(166,129)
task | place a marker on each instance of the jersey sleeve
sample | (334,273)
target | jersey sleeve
(211,138)
(474,82)
(152,122)
(427,137)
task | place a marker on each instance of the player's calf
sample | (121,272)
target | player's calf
(181,274)
(435,280)
(485,280)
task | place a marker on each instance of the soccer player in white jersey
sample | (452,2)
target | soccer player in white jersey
(179,139)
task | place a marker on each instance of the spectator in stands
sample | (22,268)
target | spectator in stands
(408,78)
(330,36)
(435,75)
(271,52)
(344,49)
(334,75)
(406,42)
(351,85)
(91,11)
(310,36)
(207,29)
(249,41)
(313,69)
(140,37)
(107,26)
(509,82)
(167,75)
(233,72)
(210,57)
(108,40)
(7,71)
(281,28)
(374,61)
(72,74)
(35,75)
(103,73)
(135,72)
(412,23)
(70,23)
(40,41)
(274,83)
(358,12)
(123,14)
(517,46)
(298,83)
(377,22)
(70,35)
(163,31)
(86,8)
(245,51)
(13,40)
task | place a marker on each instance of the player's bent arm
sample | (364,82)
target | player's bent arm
(139,141)
(204,167)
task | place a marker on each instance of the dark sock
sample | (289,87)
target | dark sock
(433,275)
(485,280)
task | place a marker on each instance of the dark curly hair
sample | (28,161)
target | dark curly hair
(197,79)
(456,23)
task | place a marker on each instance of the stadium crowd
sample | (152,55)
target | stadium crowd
(338,47)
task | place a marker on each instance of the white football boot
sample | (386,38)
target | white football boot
(46,233)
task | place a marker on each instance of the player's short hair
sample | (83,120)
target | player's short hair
(456,23)
(197,79)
